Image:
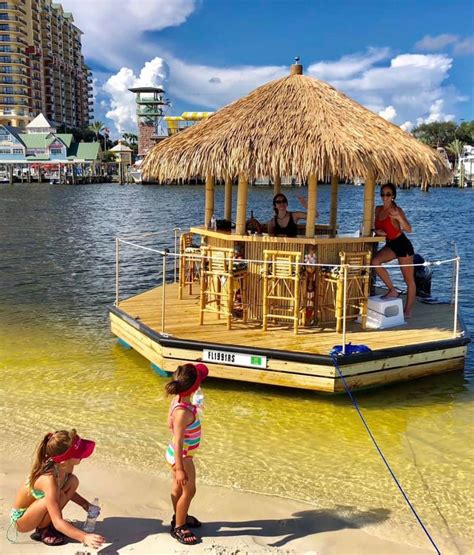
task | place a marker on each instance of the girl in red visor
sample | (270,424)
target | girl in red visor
(184,422)
(49,487)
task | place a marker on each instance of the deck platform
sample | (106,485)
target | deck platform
(425,345)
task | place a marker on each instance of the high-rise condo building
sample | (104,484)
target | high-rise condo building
(42,68)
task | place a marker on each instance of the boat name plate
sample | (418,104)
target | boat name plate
(236,359)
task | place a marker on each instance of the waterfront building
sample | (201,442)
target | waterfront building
(42,68)
(122,153)
(40,146)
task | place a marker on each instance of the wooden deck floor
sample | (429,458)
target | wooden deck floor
(429,323)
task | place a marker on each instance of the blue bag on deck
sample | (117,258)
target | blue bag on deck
(350,350)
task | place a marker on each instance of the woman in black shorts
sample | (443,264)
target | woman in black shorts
(391,222)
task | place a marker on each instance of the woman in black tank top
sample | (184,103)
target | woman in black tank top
(284,223)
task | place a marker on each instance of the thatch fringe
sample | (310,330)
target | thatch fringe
(296,126)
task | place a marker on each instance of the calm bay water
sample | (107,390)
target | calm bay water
(61,366)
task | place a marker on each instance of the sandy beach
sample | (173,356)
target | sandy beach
(136,513)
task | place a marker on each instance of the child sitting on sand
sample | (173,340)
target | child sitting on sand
(186,427)
(49,487)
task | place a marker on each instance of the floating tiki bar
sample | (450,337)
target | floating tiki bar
(217,311)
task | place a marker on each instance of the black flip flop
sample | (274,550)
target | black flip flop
(184,535)
(49,532)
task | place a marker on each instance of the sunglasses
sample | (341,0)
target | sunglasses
(386,194)
(281,201)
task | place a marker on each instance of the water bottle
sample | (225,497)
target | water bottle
(213,222)
(198,400)
(92,515)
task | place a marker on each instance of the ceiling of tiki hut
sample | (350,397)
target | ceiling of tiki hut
(296,126)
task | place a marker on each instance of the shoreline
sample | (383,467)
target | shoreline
(136,511)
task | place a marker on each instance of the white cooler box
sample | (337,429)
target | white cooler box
(384,313)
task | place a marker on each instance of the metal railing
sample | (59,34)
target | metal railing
(166,254)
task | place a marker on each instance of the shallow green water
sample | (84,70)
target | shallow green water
(61,368)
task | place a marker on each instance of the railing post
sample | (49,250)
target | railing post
(344,311)
(117,271)
(163,296)
(456,296)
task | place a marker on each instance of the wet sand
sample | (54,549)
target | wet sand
(136,512)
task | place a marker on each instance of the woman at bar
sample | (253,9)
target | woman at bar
(284,223)
(391,223)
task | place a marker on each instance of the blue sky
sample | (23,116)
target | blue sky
(409,61)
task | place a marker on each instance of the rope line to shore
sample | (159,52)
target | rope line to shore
(387,464)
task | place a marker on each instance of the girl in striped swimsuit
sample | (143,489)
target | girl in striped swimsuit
(186,427)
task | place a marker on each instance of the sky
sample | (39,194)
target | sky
(411,61)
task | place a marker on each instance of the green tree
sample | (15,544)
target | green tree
(131,140)
(108,156)
(82,134)
(438,133)
(465,132)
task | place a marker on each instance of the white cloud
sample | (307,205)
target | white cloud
(214,87)
(348,65)
(407,126)
(388,113)
(403,89)
(122,101)
(431,44)
(406,88)
(465,46)
(113,29)
(459,45)
(436,113)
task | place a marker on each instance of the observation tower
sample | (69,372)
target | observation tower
(151,105)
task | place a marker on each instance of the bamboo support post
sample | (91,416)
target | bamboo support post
(312,203)
(242,193)
(277,184)
(333,209)
(209,206)
(369,195)
(228,198)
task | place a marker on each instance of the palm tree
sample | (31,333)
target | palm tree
(456,148)
(130,138)
(97,127)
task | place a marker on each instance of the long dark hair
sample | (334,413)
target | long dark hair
(275,198)
(183,378)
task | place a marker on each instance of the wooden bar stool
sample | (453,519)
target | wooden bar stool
(189,263)
(281,287)
(223,279)
(331,290)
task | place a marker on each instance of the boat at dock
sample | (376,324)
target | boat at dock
(271,310)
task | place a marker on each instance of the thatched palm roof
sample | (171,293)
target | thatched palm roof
(296,126)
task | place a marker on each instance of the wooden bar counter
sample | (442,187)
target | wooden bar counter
(251,247)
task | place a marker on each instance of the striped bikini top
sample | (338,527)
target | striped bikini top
(192,433)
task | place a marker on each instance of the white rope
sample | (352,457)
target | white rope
(151,233)
(304,264)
